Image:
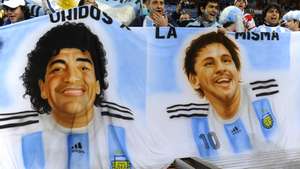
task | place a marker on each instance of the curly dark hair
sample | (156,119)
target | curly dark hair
(67,35)
(201,42)
(271,6)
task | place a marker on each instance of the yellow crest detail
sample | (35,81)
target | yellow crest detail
(67,4)
(267,121)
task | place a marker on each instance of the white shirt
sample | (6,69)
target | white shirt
(265,28)
(36,141)
(254,127)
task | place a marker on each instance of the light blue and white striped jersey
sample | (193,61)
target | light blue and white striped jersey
(35,141)
(200,23)
(254,126)
(265,28)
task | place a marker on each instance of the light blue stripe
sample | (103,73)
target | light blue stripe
(118,154)
(265,116)
(33,151)
(238,137)
(78,151)
(207,146)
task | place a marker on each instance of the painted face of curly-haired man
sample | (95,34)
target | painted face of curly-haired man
(65,74)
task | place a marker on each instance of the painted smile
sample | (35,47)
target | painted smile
(73,91)
(223,81)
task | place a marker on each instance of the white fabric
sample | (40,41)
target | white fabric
(200,23)
(55,146)
(124,14)
(148,22)
(14,3)
(264,28)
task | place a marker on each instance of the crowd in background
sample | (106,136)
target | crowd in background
(253,8)
(232,15)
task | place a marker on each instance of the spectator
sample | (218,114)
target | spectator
(271,16)
(232,19)
(183,13)
(35,9)
(16,11)
(248,19)
(242,4)
(87,2)
(2,15)
(155,17)
(208,11)
(292,20)
(184,19)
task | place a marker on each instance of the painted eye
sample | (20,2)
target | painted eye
(55,70)
(227,60)
(208,64)
(84,68)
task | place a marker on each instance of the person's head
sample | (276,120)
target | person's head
(212,66)
(292,20)
(293,25)
(272,14)
(184,16)
(66,70)
(231,18)
(16,10)
(208,9)
(87,2)
(156,6)
(242,4)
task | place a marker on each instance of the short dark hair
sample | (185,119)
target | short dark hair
(268,7)
(67,35)
(203,3)
(204,40)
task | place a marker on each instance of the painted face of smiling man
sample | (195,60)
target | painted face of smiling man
(212,66)
(70,84)
(215,73)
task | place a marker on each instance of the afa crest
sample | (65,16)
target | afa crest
(267,121)
(120,162)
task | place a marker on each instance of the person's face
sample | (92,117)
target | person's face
(184,16)
(15,14)
(292,25)
(216,74)
(70,84)
(272,17)
(90,2)
(231,28)
(240,4)
(156,6)
(210,12)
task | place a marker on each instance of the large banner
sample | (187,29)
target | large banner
(79,90)
(213,96)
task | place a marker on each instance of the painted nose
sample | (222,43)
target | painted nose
(220,67)
(72,75)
